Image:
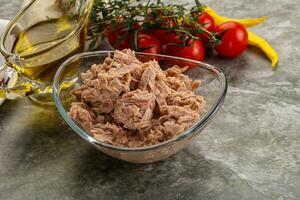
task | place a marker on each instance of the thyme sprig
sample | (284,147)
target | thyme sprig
(115,14)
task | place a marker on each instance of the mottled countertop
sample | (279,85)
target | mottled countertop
(250,151)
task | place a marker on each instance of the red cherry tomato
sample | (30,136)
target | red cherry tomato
(194,51)
(164,36)
(120,38)
(234,39)
(118,44)
(114,38)
(149,44)
(209,24)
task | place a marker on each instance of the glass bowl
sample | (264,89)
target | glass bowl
(213,89)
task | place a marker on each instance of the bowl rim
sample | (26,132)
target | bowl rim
(191,131)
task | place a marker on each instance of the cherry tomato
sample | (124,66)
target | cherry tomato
(164,36)
(194,51)
(149,44)
(234,39)
(209,24)
(114,38)
(120,38)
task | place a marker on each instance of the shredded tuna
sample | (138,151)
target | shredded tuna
(125,102)
(135,109)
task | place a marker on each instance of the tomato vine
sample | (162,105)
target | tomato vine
(115,14)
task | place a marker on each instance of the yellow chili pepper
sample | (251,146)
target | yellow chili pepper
(253,39)
(259,42)
(245,22)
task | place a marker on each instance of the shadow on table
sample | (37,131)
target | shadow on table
(236,68)
(186,175)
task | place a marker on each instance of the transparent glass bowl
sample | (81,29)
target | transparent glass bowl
(213,88)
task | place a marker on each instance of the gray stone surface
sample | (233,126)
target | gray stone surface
(250,151)
(9,8)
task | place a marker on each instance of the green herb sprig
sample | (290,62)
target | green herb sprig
(115,14)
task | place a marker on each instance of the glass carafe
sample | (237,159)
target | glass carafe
(35,42)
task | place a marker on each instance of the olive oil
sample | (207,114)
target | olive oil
(42,47)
